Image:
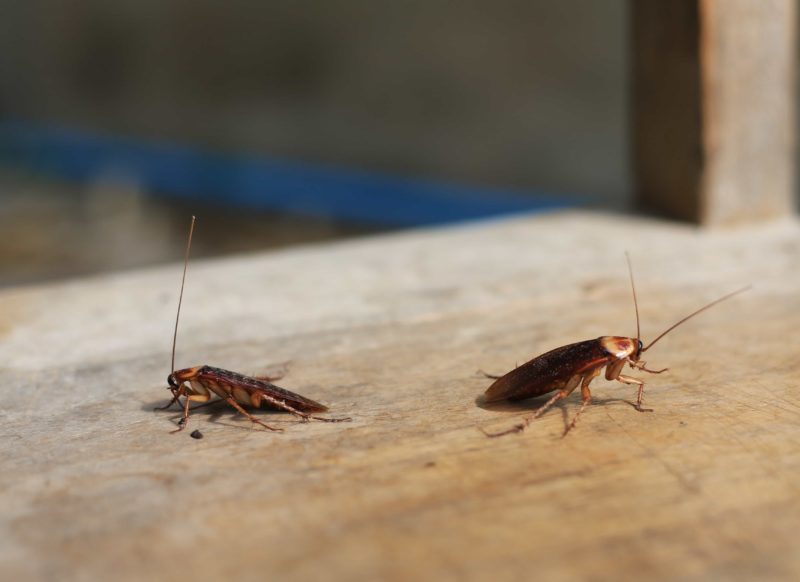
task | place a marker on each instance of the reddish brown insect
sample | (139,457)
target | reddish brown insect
(198,383)
(564,368)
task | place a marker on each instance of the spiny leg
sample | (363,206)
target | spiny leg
(278,376)
(586,397)
(185,419)
(250,417)
(269,379)
(631,380)
(322,419)
(303,415)
(175,397)
(643,367)
(189,398)
(539,411)
(492,376)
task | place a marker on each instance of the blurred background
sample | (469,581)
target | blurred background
(280,123)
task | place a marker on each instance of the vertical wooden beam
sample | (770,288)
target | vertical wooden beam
(713,108)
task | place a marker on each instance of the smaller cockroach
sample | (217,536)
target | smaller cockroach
(564,368)
(198,383)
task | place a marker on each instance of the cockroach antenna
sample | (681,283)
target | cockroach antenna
(563,369)
(633,289)
(197,384)
(180,297)
(698,312)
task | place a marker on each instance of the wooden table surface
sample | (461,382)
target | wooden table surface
(391,331)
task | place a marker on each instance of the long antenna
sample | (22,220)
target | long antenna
(635,303)
(691,315)
(180,299)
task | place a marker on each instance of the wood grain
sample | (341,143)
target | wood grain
(391,331)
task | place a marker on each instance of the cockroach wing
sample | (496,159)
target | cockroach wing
(548,372)
(291,398)
(209,373)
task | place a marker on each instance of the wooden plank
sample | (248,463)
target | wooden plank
(391,330)
(713,108)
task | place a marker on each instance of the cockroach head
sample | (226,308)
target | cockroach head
(639,347)
(171,381)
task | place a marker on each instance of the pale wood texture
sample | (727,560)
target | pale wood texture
(391,330)
(713,108)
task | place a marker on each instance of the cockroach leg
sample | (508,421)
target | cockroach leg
(560,395)
(189,398)
(639,400)
(199,382)
(640,394)
(490,376)
(276,377)
(613,370)
(344,419)
(562,368)
(304,416)
(642,366)
(586,397)
(269,379)
(613,373)
(185,419)
(249,416)
(175,398)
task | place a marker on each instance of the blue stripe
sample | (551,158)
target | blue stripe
(258,183)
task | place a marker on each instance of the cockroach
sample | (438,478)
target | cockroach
(198,383)
(564,368)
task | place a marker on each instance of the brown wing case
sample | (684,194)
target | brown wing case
(548,372)
(294,400)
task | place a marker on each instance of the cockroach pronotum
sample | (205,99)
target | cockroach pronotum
(198,383)
(564,368)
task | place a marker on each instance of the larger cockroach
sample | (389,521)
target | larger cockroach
(197,384)
(564,369)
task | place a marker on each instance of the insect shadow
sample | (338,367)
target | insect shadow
(534,404)
(563,369)
(197,384)
(216,410)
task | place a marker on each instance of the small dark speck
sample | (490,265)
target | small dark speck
(196,435)
(430,464)
(683,423)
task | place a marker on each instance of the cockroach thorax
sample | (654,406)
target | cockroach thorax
(186,374)
(620,347)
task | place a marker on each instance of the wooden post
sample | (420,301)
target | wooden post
(713,108)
